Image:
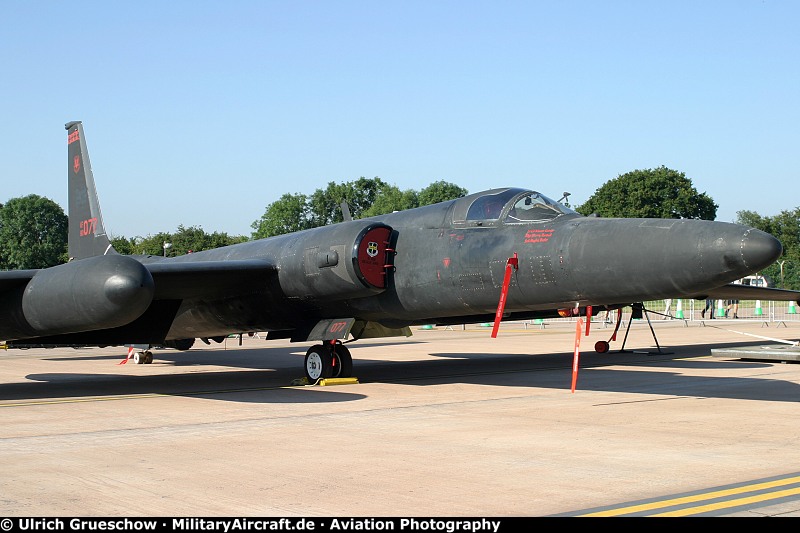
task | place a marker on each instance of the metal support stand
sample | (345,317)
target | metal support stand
(643,311)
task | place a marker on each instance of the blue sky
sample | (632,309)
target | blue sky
(202,113)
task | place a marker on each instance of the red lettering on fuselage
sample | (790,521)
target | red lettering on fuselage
(538,235)
(72,137)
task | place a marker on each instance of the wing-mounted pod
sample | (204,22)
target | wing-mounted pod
(347,260)
(83,295)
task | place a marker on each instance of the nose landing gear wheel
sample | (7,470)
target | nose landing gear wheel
(143,358)
(601,346)
(328,361)
(342,362)
(319,363)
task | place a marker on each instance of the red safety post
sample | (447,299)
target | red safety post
(616,328)
(588,318)
(130,355)
(577,354)
(501,305)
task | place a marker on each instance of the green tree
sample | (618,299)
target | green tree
(391,199)
(33,233)
(325,205)
(183,241)
(365,197)
(195,239)
(785,226)
(124,245)
(650,193)
(288,214)
(153,244)
(441,191)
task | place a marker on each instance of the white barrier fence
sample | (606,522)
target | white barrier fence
(758,310)
(768,312)
(690,311)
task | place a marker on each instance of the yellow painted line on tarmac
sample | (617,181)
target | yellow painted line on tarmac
(732,503)
(708,496)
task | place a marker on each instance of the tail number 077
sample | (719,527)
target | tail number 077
(88,227)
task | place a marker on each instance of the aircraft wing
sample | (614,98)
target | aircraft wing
(15,278)
(205,279)
(113,299)
(179,280)
(734,291)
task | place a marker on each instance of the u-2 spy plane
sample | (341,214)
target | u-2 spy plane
(509,253)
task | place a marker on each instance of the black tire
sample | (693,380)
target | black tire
(342,362)
(601,346)
(179,344)
(318,363)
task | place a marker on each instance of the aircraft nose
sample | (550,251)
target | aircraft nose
(759,249)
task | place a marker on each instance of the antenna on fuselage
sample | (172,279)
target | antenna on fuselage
(345,211)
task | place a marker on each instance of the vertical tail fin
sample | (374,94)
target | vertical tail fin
(87,235)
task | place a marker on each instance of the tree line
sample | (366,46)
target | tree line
(33,229)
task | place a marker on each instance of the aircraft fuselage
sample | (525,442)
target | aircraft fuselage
(444,272)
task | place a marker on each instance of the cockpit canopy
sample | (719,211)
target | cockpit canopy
(512,205)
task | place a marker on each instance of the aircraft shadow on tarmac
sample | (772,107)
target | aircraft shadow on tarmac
(265,375)
(255,386)
(216,354)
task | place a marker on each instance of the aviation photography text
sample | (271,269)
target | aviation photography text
(230,525)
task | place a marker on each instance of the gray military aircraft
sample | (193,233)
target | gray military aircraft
(509,253)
